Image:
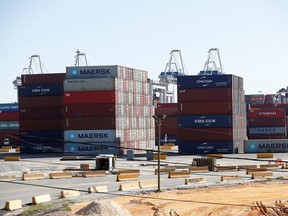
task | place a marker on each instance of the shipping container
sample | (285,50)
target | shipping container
(266,146)
(37,102)
(92,149)
(205,108)
(167,105)
(272,113)
(9,125)
(205,121)
(41,148)
(9,116)
(84,72)
(89,123)
(89,97)
(41,124)
(167,130)
(266,122)
(166,139)
(95,84)
(265,136)
(202,148)
(40,90)
(90,135)
(41,113)
(205,81)
(86,110)
(13,136)
(51,78)
(204,94)
(168,111)
(205,134)
(42,136)
(266,130)
(9,107)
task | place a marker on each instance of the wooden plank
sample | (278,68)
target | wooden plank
(247,167)
(129,171)
(164,170)
(275,166)
(164,147)
(225,168)
(162,156)
(85,166)
(218,156)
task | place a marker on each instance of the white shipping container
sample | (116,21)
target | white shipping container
(93,84)
(90,135)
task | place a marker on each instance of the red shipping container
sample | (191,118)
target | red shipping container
(266,122)
(205,134)
(89,97)
(169,126)
(41,113)
(49,101)
(168,111)
(41,125)
(9,116)
(89,123)
(271,113)
(264,106)
(205,94)
(199,108)
(51,78)
(86,110)
(266,137)
(167,105)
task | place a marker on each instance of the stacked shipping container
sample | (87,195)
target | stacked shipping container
(41,113)
(212,114)
(9,123)
(107,110)
(169,126)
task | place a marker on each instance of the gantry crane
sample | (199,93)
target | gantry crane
(213,65)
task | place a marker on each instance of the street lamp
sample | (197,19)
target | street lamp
(158,121)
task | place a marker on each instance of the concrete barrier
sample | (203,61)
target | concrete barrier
(195,180)
(98,189)
(227,178)
(262,175)
(198,169)
(40,199)
(179,174)
(69,193)
(148,183)
(250,171)
(8,178)
(129,171)
(225,168)
(85,166)
(129,186)
(6,147)
(5,150)
(60,175)
(32,176)
(97,173)
(12,158)
(127,177)
(218,156)
(162,156)
(166,147)
(164,170)
(13,205)
(17,149)
(271,166)
(168,144)
(247,167)
(265,155)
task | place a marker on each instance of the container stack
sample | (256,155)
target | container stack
(9,124)
(41,113)
(169,126)
(107,110)
(212,114)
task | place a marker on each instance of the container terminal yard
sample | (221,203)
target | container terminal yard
(132,135)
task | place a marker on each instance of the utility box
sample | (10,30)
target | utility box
(105,162)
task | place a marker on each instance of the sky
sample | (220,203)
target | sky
(251,35)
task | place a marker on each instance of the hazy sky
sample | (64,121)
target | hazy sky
(252,36)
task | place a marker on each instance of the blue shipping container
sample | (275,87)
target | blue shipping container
(267,130)
(264,146)
(210,147)
(9,125)
(42,136)
(205,121)
(40,90)
(205,81)
(9,107)
(91,72)
(40,148)
(166,139)
(92,149)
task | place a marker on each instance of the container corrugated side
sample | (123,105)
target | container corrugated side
(94,84)
(42,136)
(205,81)
(205,108)
(41,113)
(266,136)
(90,135)
(89,123)
(209,147)
(92,149)
(41,124)
(48,101)
(205,94)
(84,72)
(47,78)
(266,130)
(266,122)
(266,146)
(205,121)
(9,125)
(276,113)
(41,148)
(9,116)
(40,90)
(86,110)
(168,111)
(9,107)
(89,97)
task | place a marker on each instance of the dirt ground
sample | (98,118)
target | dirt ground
(252,199)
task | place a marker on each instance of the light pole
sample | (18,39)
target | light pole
(158,121)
